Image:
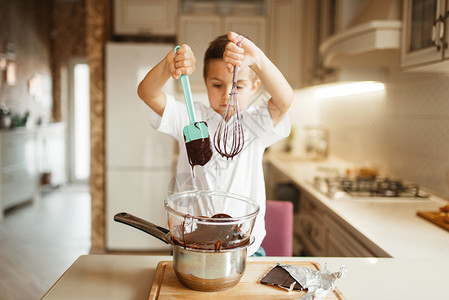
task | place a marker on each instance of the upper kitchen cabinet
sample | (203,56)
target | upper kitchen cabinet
(198,32)
(252,27)
(321,19)
(204,21)
(425,35)
(285,46)
(296,30)
(143,17)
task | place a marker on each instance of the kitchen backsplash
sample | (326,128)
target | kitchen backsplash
(402,130)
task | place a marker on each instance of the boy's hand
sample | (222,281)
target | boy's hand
(242,56)
(181,62)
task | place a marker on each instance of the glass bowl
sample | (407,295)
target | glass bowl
(210,220)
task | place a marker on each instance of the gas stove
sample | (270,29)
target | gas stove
(368,187)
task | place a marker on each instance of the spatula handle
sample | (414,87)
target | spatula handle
(187,95)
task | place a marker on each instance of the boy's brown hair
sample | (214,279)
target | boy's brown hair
(216,50)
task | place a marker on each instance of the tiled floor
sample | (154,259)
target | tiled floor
(40,240)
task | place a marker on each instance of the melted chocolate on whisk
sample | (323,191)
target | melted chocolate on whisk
(199,151)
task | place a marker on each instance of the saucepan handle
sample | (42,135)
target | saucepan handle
(159,232)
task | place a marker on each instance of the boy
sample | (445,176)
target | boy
(263,125)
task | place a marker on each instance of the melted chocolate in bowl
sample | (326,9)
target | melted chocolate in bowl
(210,221)
(204,236)
(221,216)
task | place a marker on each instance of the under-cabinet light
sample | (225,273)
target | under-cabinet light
(346,89)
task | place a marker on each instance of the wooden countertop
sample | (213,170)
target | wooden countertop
(130,277)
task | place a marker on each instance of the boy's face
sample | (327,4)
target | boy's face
(219,84)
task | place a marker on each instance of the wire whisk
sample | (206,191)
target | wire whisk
(229,138)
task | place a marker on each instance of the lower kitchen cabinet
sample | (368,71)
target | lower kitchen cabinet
(19,169)
(318,231)
(51,149)
(311,228)
(323,234)
(342,243)
(274,179)
(25,154)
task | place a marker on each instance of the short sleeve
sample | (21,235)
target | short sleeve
(173,120)
(258,120)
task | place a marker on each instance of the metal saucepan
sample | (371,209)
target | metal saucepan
(197,269)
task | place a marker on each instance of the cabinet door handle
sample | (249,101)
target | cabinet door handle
(438,32)
(445,35)
(441,28)
(309,229)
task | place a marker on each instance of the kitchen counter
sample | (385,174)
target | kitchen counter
(34,127)
(391,224)
(130,277)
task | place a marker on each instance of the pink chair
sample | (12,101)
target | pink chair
(279,227)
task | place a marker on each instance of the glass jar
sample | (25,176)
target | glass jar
(316,142)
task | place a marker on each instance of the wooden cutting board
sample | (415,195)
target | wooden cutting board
(435,217)
(166,285)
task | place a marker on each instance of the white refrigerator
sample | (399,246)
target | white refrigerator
(139,160)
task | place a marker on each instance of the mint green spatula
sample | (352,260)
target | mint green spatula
(196,134)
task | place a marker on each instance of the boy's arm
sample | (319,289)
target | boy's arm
(273,80)
(173,65)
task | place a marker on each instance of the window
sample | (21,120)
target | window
(79,121)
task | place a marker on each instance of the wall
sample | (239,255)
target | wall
(98,29)
(68,41)
(46,34)
(404,131)
(26,24)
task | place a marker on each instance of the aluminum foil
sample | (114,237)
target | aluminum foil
(318,283)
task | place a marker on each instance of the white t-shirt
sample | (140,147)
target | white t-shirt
(242,175)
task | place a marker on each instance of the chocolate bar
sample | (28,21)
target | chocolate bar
(277,276)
